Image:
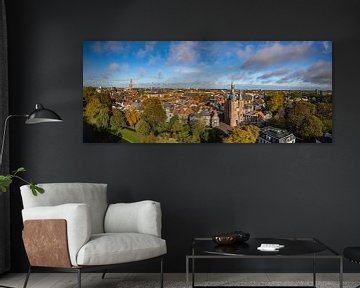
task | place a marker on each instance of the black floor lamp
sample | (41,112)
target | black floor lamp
(39,115)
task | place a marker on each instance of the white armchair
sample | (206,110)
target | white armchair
(72,228)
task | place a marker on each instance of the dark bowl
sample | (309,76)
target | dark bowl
(225,239)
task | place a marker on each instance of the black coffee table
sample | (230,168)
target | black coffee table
(295,248)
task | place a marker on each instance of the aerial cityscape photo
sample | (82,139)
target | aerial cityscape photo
(207,91)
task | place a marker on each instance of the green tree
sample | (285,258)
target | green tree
(92,109)
(153,112)
(181,131)
(311,127)
(324,112)
(88,93)
(117,120)
(198,130)
(102,119)
(298,113)
(143,127)
(244,134)
(165,138)
(105,99)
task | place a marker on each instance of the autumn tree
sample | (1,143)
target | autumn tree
(132,116)
(244,134)
(275,102)
(153,112)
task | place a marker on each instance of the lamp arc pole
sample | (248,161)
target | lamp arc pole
(4,133)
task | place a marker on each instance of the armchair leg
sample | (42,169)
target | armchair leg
(161,273)
(27,277)
(103,275)
(79,277)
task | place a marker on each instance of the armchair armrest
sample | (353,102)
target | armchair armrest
(138,217)
(77,217)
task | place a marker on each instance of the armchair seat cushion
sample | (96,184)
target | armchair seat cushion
(114,248)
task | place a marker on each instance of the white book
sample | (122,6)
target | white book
(270,247)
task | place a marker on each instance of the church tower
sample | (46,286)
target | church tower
(233,107)
(130,87)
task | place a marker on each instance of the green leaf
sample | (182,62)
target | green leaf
(20,169)
(36,189)
(5,182)
(39,189)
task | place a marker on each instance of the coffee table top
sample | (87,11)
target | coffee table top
(292,247)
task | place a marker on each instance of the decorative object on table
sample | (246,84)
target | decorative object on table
(225,239)
(265,247)
(88,234)
(242,236)
(39,115)
(186,91)
(352,254)
(231,238)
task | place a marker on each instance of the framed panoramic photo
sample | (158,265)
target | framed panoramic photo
(207,91)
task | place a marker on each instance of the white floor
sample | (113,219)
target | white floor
(115,280)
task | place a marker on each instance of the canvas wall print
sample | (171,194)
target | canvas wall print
(207,92)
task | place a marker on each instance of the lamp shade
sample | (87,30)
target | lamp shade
(42,115)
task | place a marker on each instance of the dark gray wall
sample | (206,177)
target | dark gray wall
(269,190)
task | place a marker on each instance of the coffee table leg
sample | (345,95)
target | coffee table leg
(187,272)
(341,273)
(193,272)
(314,271)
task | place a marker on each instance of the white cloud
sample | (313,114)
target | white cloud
(319,73)
(183,52)
(148,47)
(114,67)
(275,73)
(245,51)
(154,59)
(278,53)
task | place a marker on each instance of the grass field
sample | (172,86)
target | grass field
(131,136)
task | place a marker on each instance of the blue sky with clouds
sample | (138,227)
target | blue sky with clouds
(209,64)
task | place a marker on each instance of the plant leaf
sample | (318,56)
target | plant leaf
(5,182)
(36,189)
(39,189)
(20,169)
